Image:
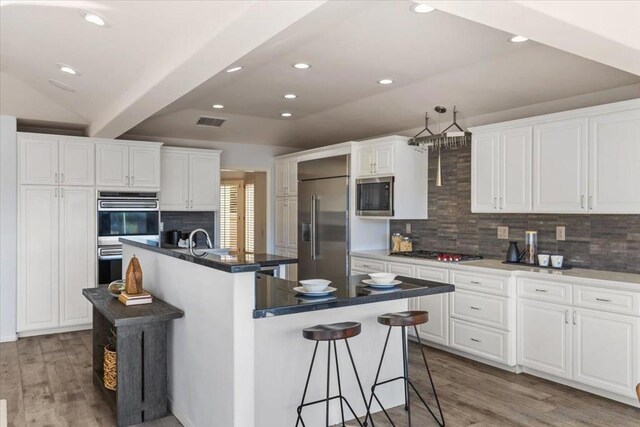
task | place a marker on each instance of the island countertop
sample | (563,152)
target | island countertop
(275,297)
(239,262)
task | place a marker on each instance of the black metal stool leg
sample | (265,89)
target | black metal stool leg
(335,353)
(328,379)
(405,363)
(355,371)
(433,387)
(373,387)
(306,385)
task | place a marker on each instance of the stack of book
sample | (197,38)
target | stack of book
(136,299)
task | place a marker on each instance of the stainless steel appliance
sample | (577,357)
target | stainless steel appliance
(123,215)
(323,218)
(438,256)
(374,196)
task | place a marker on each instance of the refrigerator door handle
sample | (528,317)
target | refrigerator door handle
(314,255)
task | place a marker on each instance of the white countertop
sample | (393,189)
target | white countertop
(497,265)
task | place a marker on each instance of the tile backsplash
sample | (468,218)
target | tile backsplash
(606,242)
(188,221)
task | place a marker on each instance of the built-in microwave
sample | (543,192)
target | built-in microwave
(374,196)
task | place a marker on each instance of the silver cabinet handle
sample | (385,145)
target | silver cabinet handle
(62,177)
(475,340)
(375,167)
(603,299)
(186,204)
(501,203)
(56,177)
(495,203)
(542,290)
(56,193)
(566,317)
(133,180)
(582,201)
(590,202)
(476,282)
(62,192)
(127,178)
(475,308)
(314,255)
(365,265)
(574,318)
(191,204)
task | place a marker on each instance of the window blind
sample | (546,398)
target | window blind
(248,217)
(229,216)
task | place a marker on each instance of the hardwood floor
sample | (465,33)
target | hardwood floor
(47,382)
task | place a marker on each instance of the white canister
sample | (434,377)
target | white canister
(543,260)
(556,261)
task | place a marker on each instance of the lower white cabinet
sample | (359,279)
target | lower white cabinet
(437,328)
(489,343)
(56,256)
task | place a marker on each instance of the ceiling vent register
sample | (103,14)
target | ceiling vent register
(212,122)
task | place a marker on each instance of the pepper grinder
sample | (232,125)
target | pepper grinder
(531,247)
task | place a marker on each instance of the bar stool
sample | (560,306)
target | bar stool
(404,319)
(331,333)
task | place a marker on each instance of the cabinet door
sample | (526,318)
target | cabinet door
(38,160)
(292,222)
(77,162)
(614,158)
(292,269)
(606,351)
(77,253)
(112,165)
(174,185)
(144,166)
(383,159)
(437,328)
(282,177)
(204,182)
(485,173)
(292,177)
(364,161)
(282,222)
(515,170)
(544,337)
(560,166)
(38,258)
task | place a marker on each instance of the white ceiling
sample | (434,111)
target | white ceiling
(434,58)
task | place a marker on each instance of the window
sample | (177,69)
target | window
(229,216)
(248,217)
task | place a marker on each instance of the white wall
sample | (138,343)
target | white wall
(8,228)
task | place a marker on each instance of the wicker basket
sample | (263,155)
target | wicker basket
(109,366)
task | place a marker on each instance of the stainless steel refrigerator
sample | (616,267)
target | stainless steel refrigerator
(323,218)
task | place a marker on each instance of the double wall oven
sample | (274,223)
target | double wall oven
(123,215)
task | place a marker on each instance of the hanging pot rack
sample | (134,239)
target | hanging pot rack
(453,136)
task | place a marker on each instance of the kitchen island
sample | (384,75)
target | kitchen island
(238,357)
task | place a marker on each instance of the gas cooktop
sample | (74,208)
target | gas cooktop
(438,256)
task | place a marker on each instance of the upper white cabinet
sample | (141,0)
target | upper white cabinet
(560,166)
(614,153)
(55,160)
(581,161)
(501,171)
(287,177)
(375,158)
(128,164)
(287,222)
(190,180)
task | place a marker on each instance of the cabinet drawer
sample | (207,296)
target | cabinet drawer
(370,266)
(402,269)
(607,300)
(489,284)
(435,274)
(543,290)
(479,340)
(482,309)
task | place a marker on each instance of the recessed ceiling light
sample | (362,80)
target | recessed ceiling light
(422,8)
(234,69)
(94,18)
(286,114)
(61,85)
(518,39)
(68,69)
(291,96)
(218,106)
(301,66)
(385,81)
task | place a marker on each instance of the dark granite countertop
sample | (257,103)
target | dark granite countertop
(119,314)
(275,297)
(235,262)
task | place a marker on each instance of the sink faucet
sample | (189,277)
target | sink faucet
(192,244)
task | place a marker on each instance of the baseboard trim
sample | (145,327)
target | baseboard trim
(186,422)
(48,331)
(9,338)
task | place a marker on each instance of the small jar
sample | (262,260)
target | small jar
(396,239)
(406,245)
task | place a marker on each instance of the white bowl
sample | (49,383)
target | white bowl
(382,278)
(315,285)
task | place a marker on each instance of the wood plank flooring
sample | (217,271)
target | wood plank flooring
(47,382)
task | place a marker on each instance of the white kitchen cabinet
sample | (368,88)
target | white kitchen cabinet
(515,170)
(38,265)
(437,328)
(287,222)
(77,253)
(76,162)
(614,162)
(286,177)
(375,158)
(144,166)
(112,165)
(190,180)
(485,172)
(38,159)
(560,166)
(606,351)
(544,337)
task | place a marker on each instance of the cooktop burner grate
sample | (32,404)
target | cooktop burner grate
(438,256)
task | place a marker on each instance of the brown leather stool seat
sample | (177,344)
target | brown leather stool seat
(404,318)
(333,331)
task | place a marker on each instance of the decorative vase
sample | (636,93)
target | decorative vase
(133,278)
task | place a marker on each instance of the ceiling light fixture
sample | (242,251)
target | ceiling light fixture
(286,114)
(518,39)
(291,96)
(234,69)
(301,66)
(61,85)
(68,69)
(385,81)
(94,18)
(422,8)
(218,106)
